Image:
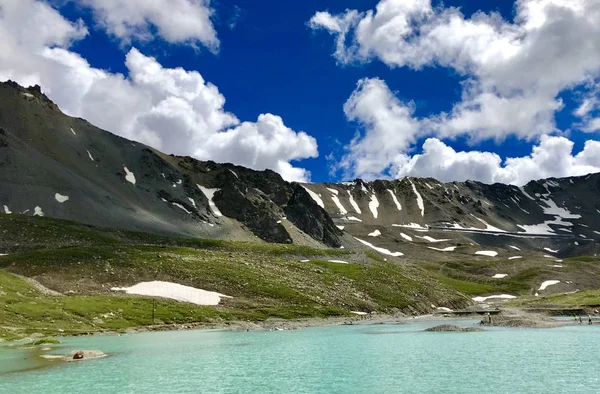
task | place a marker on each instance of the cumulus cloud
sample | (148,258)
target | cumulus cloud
(589,109)
(174,110)
(511,68)
(175,21)
(513,72)
(552,157)
(389,129)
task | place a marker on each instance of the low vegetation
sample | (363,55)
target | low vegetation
(266,281)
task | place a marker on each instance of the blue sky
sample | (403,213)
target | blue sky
(271,60)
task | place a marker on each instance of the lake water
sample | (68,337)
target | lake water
(342,359)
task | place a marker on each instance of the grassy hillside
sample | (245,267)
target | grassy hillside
(83,263)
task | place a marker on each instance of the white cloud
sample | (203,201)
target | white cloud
(513,76)
(174,110)
(389,129)
(553,157)
(589,109)
(514,71)
(176,21)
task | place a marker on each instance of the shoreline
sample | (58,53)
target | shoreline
(510,317)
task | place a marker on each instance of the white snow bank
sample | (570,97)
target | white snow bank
(551,250)
(90,155)
(537,229)
(406,237)
(500,296)
(555,210)
(380,250)
(38,211)
(73,131)
(354,219)
(28,95)
(304,261)
(315,197)
(526,194)
(411,225)
(489,253)
(192,201)
(375,233)
(359,313)
(433,240)
(489,227)
(373,205)
(6,210)
(129,176)
(341,227)
(334,191)
(398,206)
(60,198)
(174,291)
(338,261)
(557,266)
(499,276)
(547,283)
(181,207)
(514,247)
(337,202)
(209,193)
(419,199)
(354,204)
(444,309)
(515,257)
(448,249)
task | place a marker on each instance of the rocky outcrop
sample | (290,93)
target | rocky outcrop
(311,218)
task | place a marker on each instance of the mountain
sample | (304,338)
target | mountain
(64,167)
(117,212)
(55,165)
(560,217)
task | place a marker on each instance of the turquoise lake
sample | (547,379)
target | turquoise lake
(341,359)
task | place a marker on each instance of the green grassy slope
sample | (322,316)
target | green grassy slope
(265,280)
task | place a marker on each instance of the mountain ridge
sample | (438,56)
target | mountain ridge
(52,164)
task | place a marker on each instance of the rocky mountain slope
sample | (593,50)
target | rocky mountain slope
(412,245)
(55,165)
(560,217)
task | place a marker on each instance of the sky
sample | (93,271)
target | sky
(328,90)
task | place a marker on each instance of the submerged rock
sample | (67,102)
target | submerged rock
(452,328)
(82,355)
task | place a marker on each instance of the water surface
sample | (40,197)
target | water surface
(341,359)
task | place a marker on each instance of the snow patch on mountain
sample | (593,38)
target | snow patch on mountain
(380,250)
(420,203)
(373,205)
(315,197)
(398,205)
(60,198)
(129,176)
(209,193)
(353,203)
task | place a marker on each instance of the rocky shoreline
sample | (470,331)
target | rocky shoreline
(512,318)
